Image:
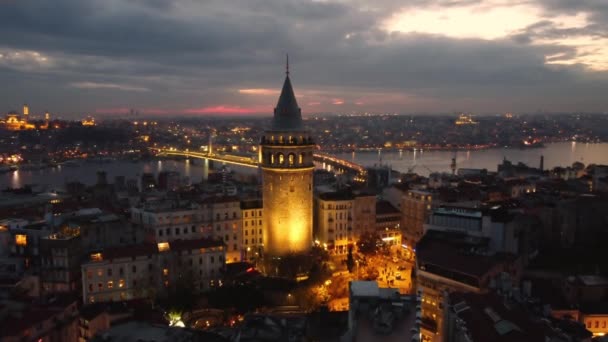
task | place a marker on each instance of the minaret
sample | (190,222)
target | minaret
(26,111)
(286,159)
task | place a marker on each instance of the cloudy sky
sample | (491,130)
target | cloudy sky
(227,56)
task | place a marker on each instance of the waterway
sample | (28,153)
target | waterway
(423,162)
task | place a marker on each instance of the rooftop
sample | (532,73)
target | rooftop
(458,211)
(141,331)
(220,199)
(385,208)
(336,196)
(287,114)
(593,280)
(364,289)
(488,317)
(252,204)
(153,248)
(456,253)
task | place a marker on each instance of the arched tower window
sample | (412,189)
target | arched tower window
(291,158)
(301,159)
(281,158)
(271,158)
(280,139)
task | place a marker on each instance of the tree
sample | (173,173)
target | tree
(350,261)
(368,243)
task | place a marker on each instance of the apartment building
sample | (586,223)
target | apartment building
(142,271)
(252,225)
(455,262)
(334,221)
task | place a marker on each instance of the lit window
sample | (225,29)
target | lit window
(121,283)
(165,271)
(21,240)
(163,246)
(110,284)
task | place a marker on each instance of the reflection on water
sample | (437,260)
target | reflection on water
(559,154)
(196,170)
(15,179)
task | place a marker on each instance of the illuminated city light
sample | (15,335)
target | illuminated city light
(21,240)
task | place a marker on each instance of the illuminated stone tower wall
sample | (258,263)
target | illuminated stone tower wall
(286,158)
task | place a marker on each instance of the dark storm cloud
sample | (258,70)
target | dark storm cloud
(196,53)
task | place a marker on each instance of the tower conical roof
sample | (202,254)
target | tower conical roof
(287,114)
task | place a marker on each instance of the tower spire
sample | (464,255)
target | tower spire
(287,114)
(287,64)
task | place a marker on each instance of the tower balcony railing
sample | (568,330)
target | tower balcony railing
(287,142)
(289,166)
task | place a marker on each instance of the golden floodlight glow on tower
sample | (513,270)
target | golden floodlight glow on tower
(286,158)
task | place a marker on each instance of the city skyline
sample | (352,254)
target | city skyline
(185,58)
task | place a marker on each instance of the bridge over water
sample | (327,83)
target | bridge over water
(339,165)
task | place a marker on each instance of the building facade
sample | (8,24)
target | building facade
(144,271)
(334,221)
(252,225)
(416,208)
(449,262)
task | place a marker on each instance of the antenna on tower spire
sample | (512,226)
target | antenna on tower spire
(287,64)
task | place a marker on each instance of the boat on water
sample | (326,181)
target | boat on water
(71,163)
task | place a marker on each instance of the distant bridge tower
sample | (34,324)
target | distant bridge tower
(211,142)
(286,152)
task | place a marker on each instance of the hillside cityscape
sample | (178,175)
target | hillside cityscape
(304,171)
(378,252)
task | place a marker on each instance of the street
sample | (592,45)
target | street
(390,268)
